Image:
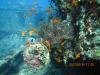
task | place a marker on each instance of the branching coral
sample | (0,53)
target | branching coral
(55,33)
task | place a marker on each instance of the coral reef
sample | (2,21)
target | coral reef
(74,33)
(77,34)
(36,54)
(55,33)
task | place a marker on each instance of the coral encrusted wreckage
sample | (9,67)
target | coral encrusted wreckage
(74,35)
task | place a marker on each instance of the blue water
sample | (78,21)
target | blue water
(12,12)
(12,22)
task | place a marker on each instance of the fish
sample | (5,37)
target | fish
(23,33)
(48,10)
(32,31)
(74,3)
(78,55)
(56,21)
(32,9)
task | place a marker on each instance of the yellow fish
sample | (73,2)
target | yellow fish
(56,21)
(78,55)
(74,3)
(23,33)
(32,31)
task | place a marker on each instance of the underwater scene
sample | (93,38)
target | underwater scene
(49,37)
